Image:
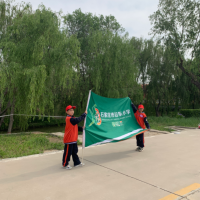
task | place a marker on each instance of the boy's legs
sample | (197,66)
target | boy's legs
(67,153)
(74,154)
(140,140)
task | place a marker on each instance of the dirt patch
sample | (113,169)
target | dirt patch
(55,139)
(36,132)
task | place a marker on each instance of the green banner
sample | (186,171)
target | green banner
(109,120)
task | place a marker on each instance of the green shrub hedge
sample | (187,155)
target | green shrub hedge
(32,122)
(190,112)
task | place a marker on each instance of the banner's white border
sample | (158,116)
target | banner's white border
(117,138)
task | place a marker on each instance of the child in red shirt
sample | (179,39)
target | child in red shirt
(142,121)
(71,137)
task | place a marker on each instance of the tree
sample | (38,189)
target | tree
(107,59)
(162,73)
(187,93)
(143,48)
(177,23)
(7,13)
(38,60)
(110,69)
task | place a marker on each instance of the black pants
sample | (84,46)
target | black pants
(70,149)
(140,140)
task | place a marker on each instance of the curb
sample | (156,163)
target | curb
(182,127)
(30,156)
(157,131)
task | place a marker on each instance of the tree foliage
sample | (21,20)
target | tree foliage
(162,73)
(177,23)
(49,60)
(38,58)
(107,58)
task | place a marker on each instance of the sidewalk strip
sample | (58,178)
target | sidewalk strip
(182,192)
(177,195)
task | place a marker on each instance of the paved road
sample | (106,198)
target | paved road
(169,164)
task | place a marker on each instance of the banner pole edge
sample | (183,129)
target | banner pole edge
(83,138)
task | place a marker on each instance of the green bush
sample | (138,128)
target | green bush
(149,110)
(180,116)
(32,122)
(190,112)
(172,114)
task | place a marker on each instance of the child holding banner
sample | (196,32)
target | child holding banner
(71,137)
(142,121)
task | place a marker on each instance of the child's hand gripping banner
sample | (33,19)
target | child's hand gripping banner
(109,120)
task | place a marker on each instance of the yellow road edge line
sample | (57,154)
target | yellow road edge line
(182,192)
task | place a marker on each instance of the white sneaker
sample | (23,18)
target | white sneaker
(68,167)
(80,165)
(137,149)
(141,149)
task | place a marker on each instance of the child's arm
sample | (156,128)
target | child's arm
(80,129)
(134,108)
(77,120)
(146,123)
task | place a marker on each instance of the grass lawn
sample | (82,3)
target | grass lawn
(24,144)
(159,123)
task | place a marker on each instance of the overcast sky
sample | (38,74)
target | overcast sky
(133,15)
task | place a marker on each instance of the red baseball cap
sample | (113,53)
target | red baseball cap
(70,107)
(140,106)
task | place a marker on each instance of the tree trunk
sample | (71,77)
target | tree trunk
(157,109)
(168,109)
(2,118)
(11,118)
(4,111)
(162,112)
(192,76)
(194,103)
(176,106)
(1,121)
